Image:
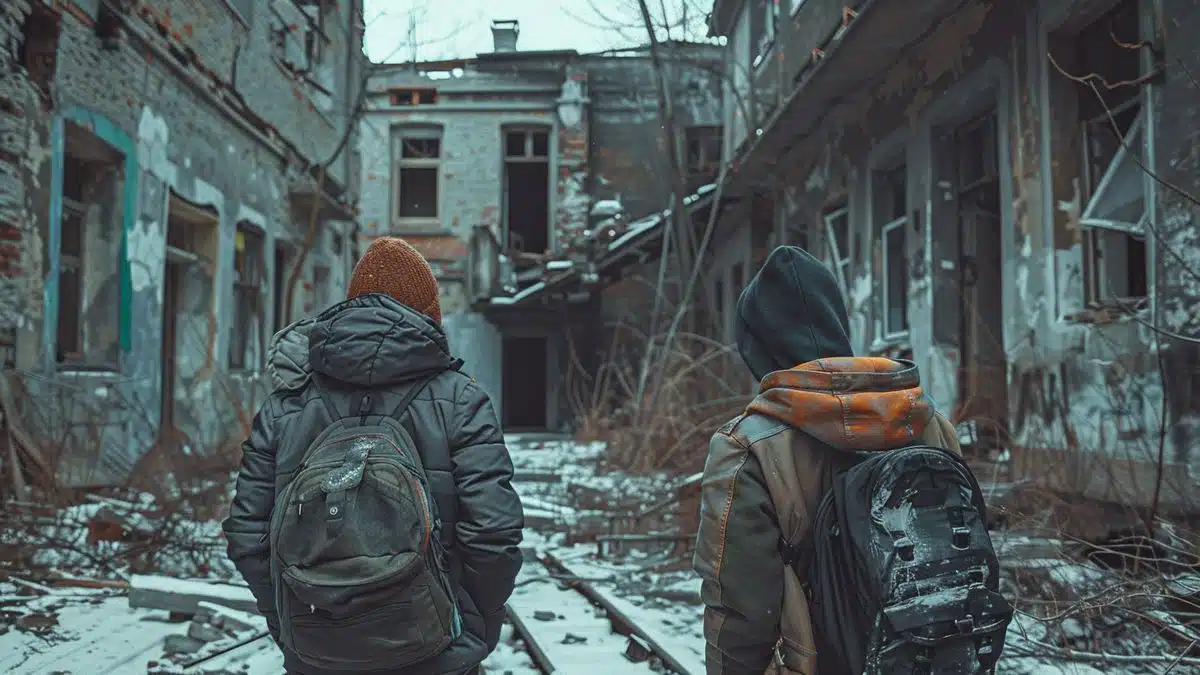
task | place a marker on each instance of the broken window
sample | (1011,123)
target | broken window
(526,208)
(837,242)
(418,153)
(406,97)
(891,222)
(88,333)
(1113,129)
(762,30)
(249,274)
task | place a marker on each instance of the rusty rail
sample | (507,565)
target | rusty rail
(621,622)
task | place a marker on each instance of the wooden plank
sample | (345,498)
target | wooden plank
(183,596)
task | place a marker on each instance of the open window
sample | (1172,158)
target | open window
(1114,132)
(411,96)
(89,253)
(248,332)
(417,153)
(890,194)
(837,246)
(300,33)
(526,211)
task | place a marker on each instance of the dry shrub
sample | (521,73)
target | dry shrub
(652,422)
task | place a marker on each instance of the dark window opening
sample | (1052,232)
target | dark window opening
(246,344)
(891,226)
(337,244)
(526,208)
(704,147)
(407,97)
(39,47)
(1113,133)
(88,326)
(527,145)
(418,153)
(525,362)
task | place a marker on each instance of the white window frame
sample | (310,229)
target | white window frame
(900,224)
(1096,228)
(841,259)
(400,163)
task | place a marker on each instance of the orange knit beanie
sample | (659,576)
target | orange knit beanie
(393,267)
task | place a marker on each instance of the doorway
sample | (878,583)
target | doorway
(983,374)
(524,368)
(187,320)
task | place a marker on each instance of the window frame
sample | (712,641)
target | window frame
(400,164)
(884,190)
(897,225)
(840,259)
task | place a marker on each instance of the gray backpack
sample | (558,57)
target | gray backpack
(360,575)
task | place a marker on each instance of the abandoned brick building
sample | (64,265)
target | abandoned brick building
(163,166)
(1004,191)
(532,180)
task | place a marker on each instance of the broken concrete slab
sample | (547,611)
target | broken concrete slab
(183,596)
(227,618)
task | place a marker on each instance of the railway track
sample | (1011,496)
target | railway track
(570,627)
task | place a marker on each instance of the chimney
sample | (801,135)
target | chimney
(504,35)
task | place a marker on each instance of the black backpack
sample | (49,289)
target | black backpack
(901,574)
(360,574)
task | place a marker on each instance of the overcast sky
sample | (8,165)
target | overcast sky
(465,30)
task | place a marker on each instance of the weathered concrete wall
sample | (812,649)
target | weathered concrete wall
(1082,382)
(200,108)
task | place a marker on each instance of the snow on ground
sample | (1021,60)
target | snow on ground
(77,631)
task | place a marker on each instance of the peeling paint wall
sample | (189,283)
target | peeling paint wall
(202,112)
(1083,381)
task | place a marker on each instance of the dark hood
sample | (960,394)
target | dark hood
(790,313)
(374,341)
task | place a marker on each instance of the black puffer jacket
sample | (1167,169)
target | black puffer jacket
(375,342)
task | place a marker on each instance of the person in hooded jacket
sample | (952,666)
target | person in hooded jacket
(387,334)
(768,468)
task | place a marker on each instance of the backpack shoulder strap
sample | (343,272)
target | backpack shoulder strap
(412,393)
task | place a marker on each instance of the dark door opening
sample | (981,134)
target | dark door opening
(527,206)
(983,375)
(524,395)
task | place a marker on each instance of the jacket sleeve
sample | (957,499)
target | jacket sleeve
(490,517)
(738,560)
(246,528)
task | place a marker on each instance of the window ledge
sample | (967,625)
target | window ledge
(417,226)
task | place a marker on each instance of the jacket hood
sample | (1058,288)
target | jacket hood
(375,341)
(287,357)
(791,312)
(849,403)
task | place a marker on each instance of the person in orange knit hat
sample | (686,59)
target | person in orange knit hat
(400,471)
(393,267)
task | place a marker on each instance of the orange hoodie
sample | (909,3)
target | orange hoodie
(851,403)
